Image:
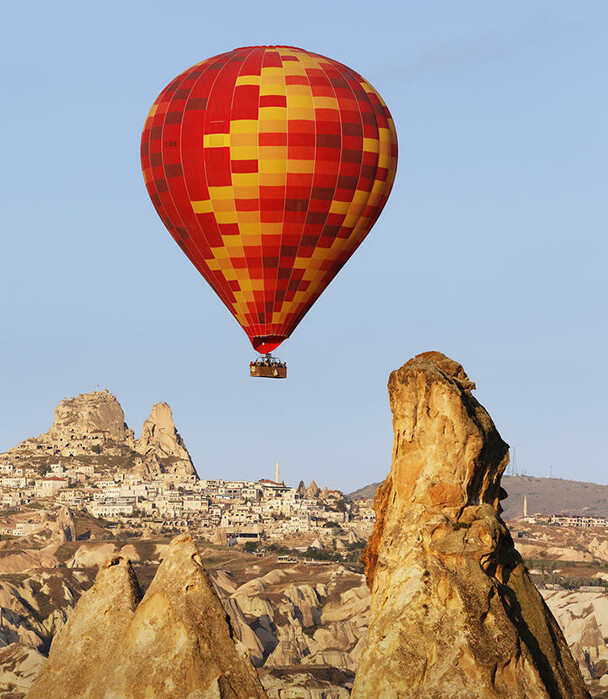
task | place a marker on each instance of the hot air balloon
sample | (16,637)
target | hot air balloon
(269,165)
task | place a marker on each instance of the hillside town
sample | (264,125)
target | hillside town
(90,461)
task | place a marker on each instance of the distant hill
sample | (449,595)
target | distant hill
(368,491)
(545,496)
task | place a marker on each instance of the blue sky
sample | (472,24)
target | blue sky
(492,247)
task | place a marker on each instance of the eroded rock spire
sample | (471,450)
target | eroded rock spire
(454,612)
(177,642)
(82,648)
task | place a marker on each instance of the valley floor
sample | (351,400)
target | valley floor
(303,621)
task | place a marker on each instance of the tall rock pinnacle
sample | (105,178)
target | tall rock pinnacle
(160,442)
(177,642)
(90,635)
(454,612)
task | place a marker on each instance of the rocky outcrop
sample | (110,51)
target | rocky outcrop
(313,490)
(80,652)
(19,665)
(307,683)
(583,617)
(63,529)
(161,445)
(180,640)
(453,611)
(91,429)
(177,642)
(89,415)
(87,424)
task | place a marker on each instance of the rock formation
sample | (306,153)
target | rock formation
(81,650)
(19,665)
(96,413)
(92,425)
(583,617)
(177,642)
(89,423)
(63,529)
(313,490)
(160,443)
(454,612)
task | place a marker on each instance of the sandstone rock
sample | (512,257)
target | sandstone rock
(161,444)
(454,612)
(63,529)
(274,576)
(245,634)
(352,603)
(97,413)
(293,645)
(307,683)
(219,537)
(223,581)
(341,636)
(92,554)
(253,605)
(93,425)
(20,562)
(19,665)
(90,636)
(583,617)
(305,600)
(83,425)
(179,642)
(599,549)
(313,490)
(331,657)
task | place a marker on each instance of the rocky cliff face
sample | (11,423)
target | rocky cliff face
(90,415)
(177,642)
(453,611)
(91,427)
(160,443)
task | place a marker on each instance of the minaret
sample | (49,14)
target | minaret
(276,473)
(525,505)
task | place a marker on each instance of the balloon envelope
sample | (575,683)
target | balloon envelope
(269,165)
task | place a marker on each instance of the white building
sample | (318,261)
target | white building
(47,487)
(111,509)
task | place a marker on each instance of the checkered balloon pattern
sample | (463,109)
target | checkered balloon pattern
(269,165)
